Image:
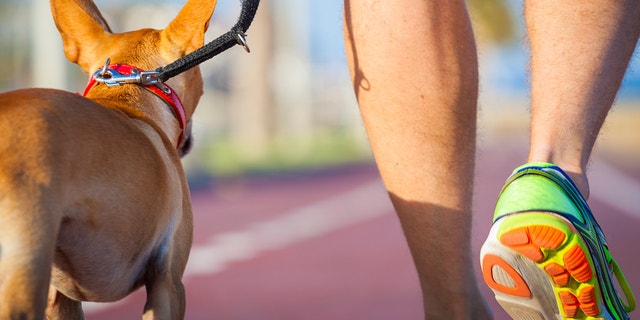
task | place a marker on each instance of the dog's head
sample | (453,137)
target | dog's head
(88,42)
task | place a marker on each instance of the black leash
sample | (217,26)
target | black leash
(235,36)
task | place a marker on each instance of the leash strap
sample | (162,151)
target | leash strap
(234,36)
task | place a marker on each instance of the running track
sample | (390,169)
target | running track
(327,246)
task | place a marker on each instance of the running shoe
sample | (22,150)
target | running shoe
(546,257)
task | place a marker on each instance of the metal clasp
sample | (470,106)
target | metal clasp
(241,39)
(112,77)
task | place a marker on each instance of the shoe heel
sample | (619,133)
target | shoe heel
(539,268)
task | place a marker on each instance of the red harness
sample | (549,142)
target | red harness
(166,93)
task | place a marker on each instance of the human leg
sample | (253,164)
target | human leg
(546,256)
(414,69)
(579,54)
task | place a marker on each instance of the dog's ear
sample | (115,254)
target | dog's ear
(82,28)
(186,31)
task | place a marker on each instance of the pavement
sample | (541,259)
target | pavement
(327,244)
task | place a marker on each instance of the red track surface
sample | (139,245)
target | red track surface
(360,269)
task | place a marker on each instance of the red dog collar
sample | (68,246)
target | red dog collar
(117,74)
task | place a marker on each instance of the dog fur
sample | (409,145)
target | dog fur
(94,202)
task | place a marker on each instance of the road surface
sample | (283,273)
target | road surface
(326,245)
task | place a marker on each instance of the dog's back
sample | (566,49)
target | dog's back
(93,199)
(71,168)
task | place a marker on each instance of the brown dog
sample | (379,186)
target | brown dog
(93,199)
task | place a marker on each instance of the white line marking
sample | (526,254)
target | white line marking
(353,207)
(614,188)
(317,219)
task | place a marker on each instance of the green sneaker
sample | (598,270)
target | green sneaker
(546,256)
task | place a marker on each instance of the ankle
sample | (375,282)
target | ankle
(576,172)
(573,164)
(579,178)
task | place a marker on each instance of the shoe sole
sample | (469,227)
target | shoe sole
(539,267)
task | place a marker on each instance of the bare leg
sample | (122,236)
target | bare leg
(414,69)
(579,53)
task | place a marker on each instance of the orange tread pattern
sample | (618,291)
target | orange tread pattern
(520,287)
(570,303)
(576,262)
(546,237)
(587,298)
(585,301)
(559,274)
(531,239)
(530,242)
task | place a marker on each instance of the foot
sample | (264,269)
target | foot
(546,257)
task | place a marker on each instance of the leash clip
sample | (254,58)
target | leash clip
(241,39)
(112,78)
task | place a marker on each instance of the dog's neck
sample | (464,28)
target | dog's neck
(138,102)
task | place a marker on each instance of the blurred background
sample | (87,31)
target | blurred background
(278,133)
(289,103)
